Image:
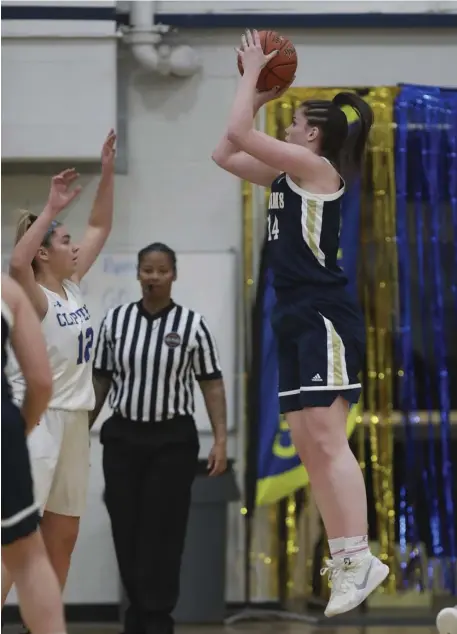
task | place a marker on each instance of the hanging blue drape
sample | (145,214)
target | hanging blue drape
(426,177)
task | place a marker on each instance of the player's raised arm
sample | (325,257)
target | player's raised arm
(231,157)
(241,164)
(35,234)
(101,217)
(282,157)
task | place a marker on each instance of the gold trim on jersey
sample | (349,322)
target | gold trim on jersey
(312,212)
(337,374)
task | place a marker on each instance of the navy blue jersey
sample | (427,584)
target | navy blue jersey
(303,236)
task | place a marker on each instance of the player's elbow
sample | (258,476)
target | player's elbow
(222,158)
(235,136)
(219,158)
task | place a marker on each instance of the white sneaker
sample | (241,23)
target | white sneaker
(352,581)
(446,621)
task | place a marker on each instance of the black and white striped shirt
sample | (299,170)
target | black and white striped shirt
(153,360)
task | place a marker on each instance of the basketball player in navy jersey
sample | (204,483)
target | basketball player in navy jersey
(23,550)
(49,267)
(318,328)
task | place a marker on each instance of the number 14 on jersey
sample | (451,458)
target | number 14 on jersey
(273,228)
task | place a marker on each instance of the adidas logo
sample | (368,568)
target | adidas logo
(316,378)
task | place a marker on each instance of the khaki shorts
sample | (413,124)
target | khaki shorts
(59,451)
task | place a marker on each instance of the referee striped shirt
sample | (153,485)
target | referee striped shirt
(154,359)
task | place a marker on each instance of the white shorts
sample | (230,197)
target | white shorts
(59,455)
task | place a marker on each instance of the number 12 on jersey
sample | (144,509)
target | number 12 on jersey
(273,228)
(85,342)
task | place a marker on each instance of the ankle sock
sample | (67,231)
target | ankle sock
(337,547)
(356,546)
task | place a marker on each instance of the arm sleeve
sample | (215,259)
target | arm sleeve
(206,357)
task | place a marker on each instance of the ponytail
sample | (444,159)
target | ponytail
(25,221)
(353,149)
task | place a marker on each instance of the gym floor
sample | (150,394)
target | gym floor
(249,628)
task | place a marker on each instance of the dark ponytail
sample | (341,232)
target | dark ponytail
(354,146)
(341,143)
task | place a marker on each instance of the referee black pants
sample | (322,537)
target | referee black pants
(149,469)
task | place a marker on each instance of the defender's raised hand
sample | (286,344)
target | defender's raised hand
(60,194)
(109,152)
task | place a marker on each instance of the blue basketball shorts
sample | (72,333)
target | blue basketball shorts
(320,355)
(20,516)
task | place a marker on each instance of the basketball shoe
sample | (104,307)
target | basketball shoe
(353,579)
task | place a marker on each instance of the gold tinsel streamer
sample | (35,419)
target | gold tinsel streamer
(248,256)
(308,544)
(292,543)
(264,561)
(380,283)
(273,512)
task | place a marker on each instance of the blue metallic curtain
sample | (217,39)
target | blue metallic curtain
(426,180)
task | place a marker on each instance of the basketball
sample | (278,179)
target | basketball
(281,69)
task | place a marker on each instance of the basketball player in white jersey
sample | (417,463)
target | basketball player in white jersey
(23,550)
(50,267)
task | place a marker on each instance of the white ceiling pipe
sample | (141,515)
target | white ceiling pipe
(146,40)
(142,38)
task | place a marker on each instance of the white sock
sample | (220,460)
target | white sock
(356,546)
(337,547)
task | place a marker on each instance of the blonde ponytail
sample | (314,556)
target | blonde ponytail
(25,221)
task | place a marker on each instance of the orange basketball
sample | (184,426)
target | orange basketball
(281,69)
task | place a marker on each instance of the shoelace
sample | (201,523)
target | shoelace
(334,570)
(340,574)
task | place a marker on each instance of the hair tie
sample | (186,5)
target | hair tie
(52,227)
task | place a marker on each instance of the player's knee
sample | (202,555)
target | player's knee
(320,429)
(60,532)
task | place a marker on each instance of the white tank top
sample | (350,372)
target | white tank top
(70,341)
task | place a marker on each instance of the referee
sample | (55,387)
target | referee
(147,357)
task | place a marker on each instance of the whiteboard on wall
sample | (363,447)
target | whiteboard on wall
(207,283)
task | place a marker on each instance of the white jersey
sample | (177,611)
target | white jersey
(69,338)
